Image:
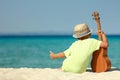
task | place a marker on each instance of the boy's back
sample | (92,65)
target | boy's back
(78,54)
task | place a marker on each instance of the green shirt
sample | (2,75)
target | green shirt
(78,55)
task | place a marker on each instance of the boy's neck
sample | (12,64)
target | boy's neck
(83,38)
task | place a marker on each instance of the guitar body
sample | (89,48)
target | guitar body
(100,61)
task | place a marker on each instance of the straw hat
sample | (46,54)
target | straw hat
(81,30)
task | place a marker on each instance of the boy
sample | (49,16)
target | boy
(79,53)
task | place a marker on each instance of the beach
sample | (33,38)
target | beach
(55,74)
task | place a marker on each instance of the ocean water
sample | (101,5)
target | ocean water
(33,51)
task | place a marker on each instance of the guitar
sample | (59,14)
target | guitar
(100,61)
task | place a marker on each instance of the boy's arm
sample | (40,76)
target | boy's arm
(59,55)
(104,43)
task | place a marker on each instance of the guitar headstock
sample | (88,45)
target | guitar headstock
(96,16)
(97,19)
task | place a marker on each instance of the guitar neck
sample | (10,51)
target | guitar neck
(99,28)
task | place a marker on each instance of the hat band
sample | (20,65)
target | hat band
(83,33)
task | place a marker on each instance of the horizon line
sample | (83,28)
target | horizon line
(15,35)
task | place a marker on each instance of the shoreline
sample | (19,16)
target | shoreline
(55,74)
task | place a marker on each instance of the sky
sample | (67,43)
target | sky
(48,17)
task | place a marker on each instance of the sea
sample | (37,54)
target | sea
(33,51)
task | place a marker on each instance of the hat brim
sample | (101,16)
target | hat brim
(82,35)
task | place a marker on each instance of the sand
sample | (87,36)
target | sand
(55,74)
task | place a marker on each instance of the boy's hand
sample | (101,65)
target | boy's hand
(52,55)
(100,31)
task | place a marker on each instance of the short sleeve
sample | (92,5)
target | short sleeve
(67,52)
(96,44)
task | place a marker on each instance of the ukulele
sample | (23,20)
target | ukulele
(100,61)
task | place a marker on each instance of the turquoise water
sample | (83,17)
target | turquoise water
(33,51)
